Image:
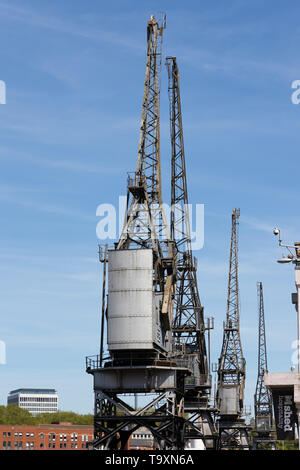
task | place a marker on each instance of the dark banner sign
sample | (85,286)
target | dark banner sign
(285,413)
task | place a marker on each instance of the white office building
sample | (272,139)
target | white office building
(35,400)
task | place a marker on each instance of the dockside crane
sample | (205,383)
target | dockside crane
(140,296)
(262,396)
(188,324)
(232,368)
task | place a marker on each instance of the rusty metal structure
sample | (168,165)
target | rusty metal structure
(188,325)
(232,368)
(262,397)
(155,327)
(139,306)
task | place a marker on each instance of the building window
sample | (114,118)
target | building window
(42,436)
(41,445)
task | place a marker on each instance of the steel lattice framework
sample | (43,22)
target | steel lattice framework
(145,226)
(233,433)
(262,397)
(188,327)
(145,222)
(232,363)
(188,319)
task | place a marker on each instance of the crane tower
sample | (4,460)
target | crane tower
(141,287)
(231,367)
(262,397)
(189,344)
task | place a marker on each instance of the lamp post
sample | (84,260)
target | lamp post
(294,257)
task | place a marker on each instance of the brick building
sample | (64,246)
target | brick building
(62,436)
(141,439)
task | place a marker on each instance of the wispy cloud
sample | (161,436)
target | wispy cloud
(210,268)
(241,67)
(70,126)
(72,165)
(44,207)
(55,163)
(13,189)
(257,224)
(33,18)
(34,258)
(85,277)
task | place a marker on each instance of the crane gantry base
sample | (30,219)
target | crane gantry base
(233,435)
(115,420)
(264,442)
(200,422)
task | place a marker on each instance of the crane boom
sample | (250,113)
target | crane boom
(262,397)
(232,363)
(188,319)
(145,223)
(231,368)
(188,327)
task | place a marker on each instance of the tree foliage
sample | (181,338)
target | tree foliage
(12,414)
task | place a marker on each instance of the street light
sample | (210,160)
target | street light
(284,260)
(293,257)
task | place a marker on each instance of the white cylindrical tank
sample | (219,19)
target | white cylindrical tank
(133,310)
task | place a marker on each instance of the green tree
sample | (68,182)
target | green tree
(12,414)
(63,416)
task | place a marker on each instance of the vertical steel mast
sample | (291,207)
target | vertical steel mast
(146,222)
(231,369)
(262,397)
(232,364)
(189,345)
(188,319)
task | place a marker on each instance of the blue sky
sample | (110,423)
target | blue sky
(74,73)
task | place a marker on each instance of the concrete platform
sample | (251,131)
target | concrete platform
(277,380)
(289,384)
